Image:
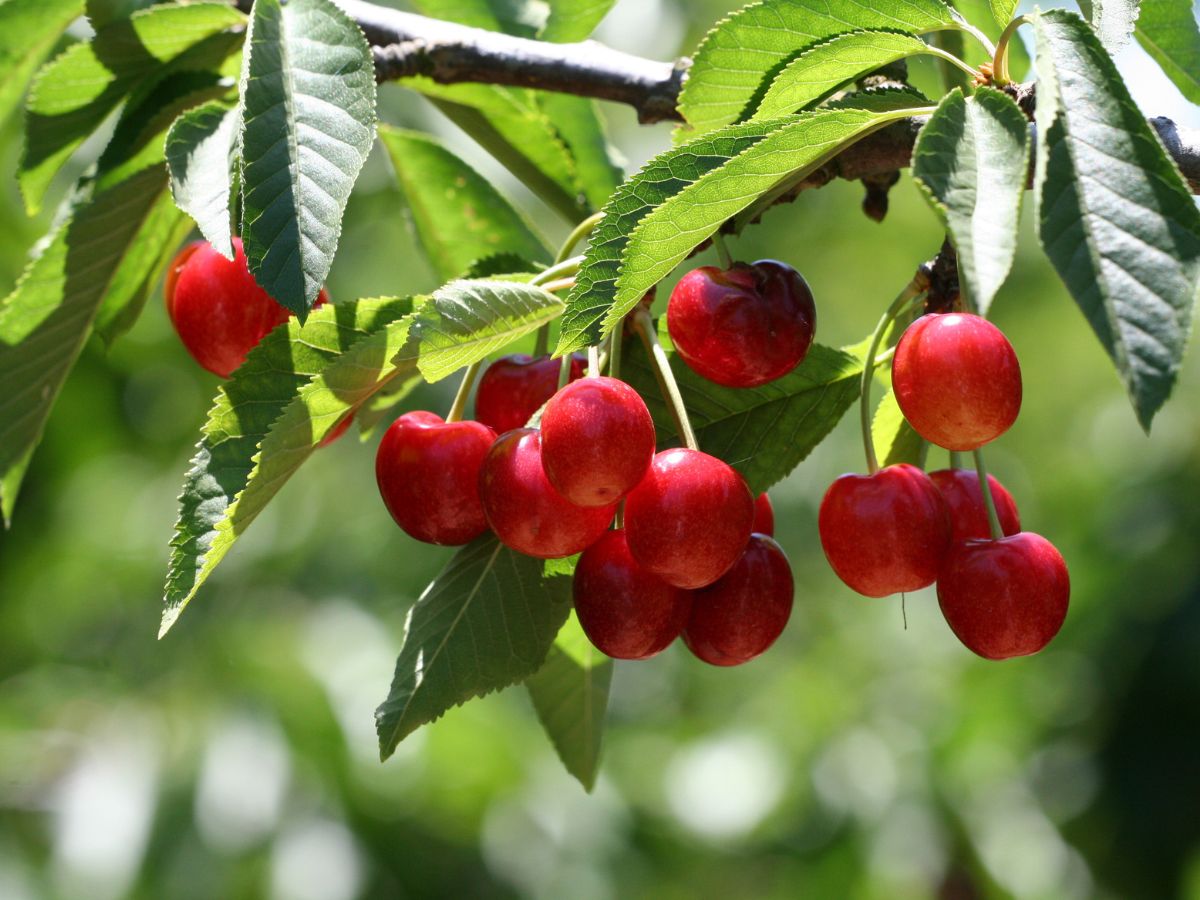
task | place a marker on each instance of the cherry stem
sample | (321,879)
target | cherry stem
(561,284)
(956,460)
(1000,74)
(582,230)
(464,391)
(594,361)
(559,269)
(968,28)
(989,502)
(541,344)
(614,350)
(722,249)
(904,298)
(666,378)
(564,370)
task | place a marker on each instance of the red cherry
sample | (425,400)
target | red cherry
(338,430)
(1004,598)
(428,474)
(885,533)
(957,380)
(597,440)
(217,308)
(964,499)
(689,519)
(742,326)
(740,615)
(626,612)
(764,516)
(514,387)
(525,510)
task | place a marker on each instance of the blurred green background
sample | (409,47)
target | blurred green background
(857,759)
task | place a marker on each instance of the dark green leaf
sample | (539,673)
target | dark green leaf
(199,152)
(883,99)
(104,12)
(573,20)
(1167,30)
(29,29)
(1112,20)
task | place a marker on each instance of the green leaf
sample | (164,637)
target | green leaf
(199,151)
(467,320)
(1112,20)
(74,93)
(29,29)
(459,216)
(577,122)
(48,316)
(104,12)
(519,17)
(308,120)
(1003,10)
(1167,30)
(763,432)
(895,440)
(885,98)
(570,696)
(972,160)
(573,20)
(292,390)
(486,622)
(1114,215)
(817,72)
(746,49)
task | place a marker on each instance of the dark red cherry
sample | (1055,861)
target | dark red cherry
(1004,598)
(689,519)
(626,612)
(338,430)
(525,510)
(968,514)
(428,474)
(957,380)
(742,326)
(514,387)
(597,440)
(764,516)
(739,616)
(885,533)
(219,311)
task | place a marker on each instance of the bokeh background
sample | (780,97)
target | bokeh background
(859,758)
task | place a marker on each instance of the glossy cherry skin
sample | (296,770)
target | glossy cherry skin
(739,616)
(964,499)
(689,519)
(1004,598)
(957,380)
(626,612)
(742,326)
(428,475)
(338,430)
(764,516)
(597,440)
(514,387)
(885,533)
(525,510)
(219,311)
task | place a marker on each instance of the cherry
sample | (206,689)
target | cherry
(742,326)
(885,533)
(764,516)
(428,474)
(217,308)
(1004,598)
(338,430)
(968,514)
(957,380)
(626,612)
(597,440)
(525,510)
(689,519)
(739,616)
(514,387)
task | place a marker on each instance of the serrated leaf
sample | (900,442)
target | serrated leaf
(459,216)
(1114,215)
(105,12)
(1003,10)
(75,92)
(570,695)
(895,440)
(1167,30)
(199,151)
(578,124)
(29,29)
(763,432)
(292,389)
(307,124)
(823,68)
(486,622)
(972,161)
(467,320)
(750,46)
(573,20)
(882,99)
(1112,20)
(795,146)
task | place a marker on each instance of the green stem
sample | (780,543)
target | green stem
(566,267)
(956,460)
(614,350)
(968,28)
(666,378)
(582,230)
(988,501)
(722,249)
(564,370)
(561,284)
(923,454)
(903,299)
(1000,75)
(541,345)
(593,361)
(459,406)
(952,59)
